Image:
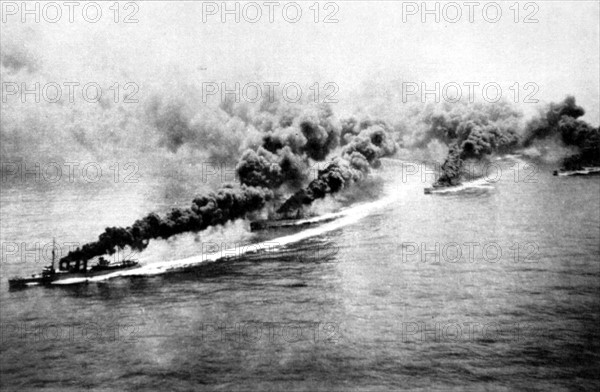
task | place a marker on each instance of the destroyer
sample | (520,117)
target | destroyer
(291,221)
(67,270)
(436,187)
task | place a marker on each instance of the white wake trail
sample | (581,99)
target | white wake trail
(481,183)
(344,218)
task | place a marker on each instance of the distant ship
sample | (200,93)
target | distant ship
(286,221)
(585,171)
(436,187)
(69,270)
(478,183)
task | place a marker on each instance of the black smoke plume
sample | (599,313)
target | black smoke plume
(474,139)
(444,122)
(288,146)
(218,208)
(562,120)
(451,168)
(359,155)
(289,143)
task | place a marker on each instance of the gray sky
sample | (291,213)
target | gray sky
(171,45)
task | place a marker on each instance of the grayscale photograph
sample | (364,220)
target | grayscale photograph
(299,195)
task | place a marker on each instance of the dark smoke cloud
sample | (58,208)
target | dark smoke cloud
(443,122)
(228,204)
(475,141)
(359,155)
(451,168)
(217,133)
(493,131)
(255,168)
(288,139)
(562,120)
(548,122)
(471,132)
(311,135)
(351,127)
(288,146)
(321,134)
(337,175)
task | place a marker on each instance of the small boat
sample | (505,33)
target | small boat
(51,275)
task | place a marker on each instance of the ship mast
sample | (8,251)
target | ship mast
(53,252)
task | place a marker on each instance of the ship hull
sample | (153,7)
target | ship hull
(432,189)
(286,223)
(50,278)
(33,281)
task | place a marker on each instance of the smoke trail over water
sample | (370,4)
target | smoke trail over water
(562,121)
(472,133)
(361,152)
(227,204)
(289,145)
(476,137)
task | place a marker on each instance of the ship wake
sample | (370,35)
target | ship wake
(340,219)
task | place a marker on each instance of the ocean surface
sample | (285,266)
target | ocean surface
(494,286)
